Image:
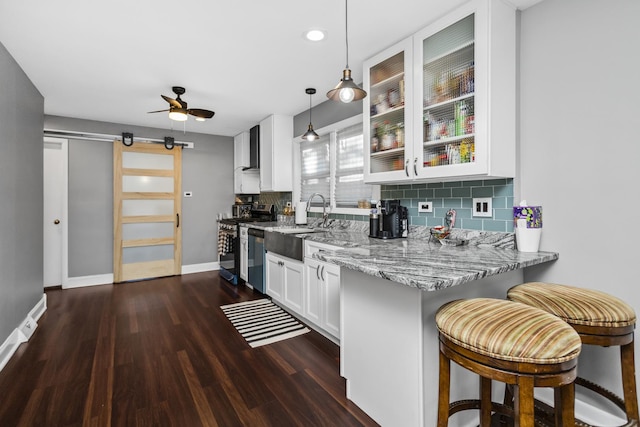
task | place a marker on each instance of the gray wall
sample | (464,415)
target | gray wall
(207,171)
(324,114)
(579,149)
(21,118)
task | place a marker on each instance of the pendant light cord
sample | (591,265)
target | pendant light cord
(346,29)
(309,108)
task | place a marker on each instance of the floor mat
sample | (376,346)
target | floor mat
(262,322)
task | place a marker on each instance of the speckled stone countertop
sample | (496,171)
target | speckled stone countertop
(418,261)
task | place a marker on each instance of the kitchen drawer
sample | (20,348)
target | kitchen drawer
(312,247)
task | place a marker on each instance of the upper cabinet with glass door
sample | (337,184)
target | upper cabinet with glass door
(465,93)
(387,113)
(462,113)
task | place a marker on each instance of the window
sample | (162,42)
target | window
(333,166)
(315,163)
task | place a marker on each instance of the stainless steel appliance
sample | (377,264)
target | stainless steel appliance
(229,240)
(390,221)
(256,259)
(241,210)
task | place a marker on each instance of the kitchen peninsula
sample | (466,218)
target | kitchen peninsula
(390,291)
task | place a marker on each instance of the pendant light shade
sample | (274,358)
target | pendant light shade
(310,134)
(347,90)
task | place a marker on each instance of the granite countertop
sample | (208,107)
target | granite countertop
(430,266)
(418,261)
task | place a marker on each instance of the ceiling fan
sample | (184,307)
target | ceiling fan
(178,108)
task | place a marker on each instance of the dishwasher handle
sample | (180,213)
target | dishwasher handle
(256,232)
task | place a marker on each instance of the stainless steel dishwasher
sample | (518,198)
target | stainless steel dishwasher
(256,259)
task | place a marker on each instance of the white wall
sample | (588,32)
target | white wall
(580,149)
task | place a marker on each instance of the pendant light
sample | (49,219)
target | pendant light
(310,134)
(346,90)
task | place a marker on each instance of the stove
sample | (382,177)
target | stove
(229,240)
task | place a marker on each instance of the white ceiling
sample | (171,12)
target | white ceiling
(243,59)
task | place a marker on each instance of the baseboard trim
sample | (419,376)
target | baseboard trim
(81,281)
(107,279)
(23,332)
(200,268)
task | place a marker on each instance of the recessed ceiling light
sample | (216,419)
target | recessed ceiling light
(314,35)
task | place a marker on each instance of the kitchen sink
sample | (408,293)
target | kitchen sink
(286,242)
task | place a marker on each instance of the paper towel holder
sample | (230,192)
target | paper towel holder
(301,213)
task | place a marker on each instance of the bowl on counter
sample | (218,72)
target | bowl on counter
(439,232)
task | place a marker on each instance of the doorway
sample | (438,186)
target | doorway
(147,181)
(55,211)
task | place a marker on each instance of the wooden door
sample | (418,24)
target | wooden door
(146,211)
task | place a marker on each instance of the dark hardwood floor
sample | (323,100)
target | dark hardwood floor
(162,353)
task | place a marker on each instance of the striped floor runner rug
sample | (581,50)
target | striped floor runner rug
(262,322)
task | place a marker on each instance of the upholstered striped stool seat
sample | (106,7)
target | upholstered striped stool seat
(575,305)
(508,331)
(506,341)
(600,319)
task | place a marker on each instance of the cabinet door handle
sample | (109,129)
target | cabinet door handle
(406,167)
(318,272)
(322,273)
(177,220)
(415,166)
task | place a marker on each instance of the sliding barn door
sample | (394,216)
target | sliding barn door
(146,211)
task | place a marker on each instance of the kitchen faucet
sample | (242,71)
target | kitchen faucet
(325,214)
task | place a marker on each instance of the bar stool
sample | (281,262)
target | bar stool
(600,319)
(512,343)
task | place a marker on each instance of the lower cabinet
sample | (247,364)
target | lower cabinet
(322,290)
(322,295)
(284,281)
(310,290)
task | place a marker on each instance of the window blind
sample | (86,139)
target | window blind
(315,169)
(349,185)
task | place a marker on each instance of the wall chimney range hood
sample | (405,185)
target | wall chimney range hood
(254,148)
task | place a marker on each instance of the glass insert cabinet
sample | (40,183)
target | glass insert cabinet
(441,103)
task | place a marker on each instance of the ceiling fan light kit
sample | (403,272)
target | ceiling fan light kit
(178,114)
(347,90)
(178,110)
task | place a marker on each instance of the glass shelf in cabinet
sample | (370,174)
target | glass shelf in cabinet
(447,140)
(452,51)
(393,79)
(448,102)
(389,153)
(387,112)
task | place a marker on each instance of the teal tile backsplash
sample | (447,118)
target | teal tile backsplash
(457,195)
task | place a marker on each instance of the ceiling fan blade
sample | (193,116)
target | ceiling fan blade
(198,112)
(173,102)
(158,111)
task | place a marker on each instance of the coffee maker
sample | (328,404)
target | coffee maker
(389,221)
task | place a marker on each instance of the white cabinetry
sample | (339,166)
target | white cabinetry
(284,281)
(387,115)
(244,182)
(462,110)
(276,153)
(244,254)
(322,291)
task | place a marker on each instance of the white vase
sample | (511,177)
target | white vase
(528,239)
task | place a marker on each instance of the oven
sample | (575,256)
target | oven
(229,246)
